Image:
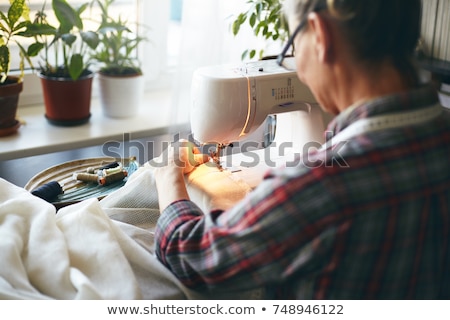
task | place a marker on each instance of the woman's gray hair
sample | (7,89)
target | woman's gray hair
(375,29)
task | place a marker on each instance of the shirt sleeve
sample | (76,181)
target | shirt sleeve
(249,246)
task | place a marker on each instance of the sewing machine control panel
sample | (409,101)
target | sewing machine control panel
(273,83)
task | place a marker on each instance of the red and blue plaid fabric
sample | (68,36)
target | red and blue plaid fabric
(370,221)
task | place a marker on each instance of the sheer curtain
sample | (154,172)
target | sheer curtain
(206,39)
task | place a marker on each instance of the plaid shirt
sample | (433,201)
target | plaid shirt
(371,221)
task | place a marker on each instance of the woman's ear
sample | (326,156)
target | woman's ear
(322,37)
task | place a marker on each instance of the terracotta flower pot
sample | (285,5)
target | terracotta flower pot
(9,99)
(67,102)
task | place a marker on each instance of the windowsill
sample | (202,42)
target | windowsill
(157,115)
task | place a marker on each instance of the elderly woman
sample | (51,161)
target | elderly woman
(375,228)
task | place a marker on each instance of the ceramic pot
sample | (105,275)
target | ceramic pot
(67,102)
(9,99)
(120,96)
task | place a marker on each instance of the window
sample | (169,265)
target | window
(159,21)
(183,35)
(123,7)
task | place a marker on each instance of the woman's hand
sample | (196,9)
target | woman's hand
(178,159)
(185,155)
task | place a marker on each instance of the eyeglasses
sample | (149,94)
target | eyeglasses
(281,57)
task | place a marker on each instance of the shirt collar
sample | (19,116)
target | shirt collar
(405,101)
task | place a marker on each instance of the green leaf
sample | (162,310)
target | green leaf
(66,15)
(19,26)
(112,26)
(236,26)
(36,29)
(259,8)
(4,18)
(278,24)
(76,66)
(91,38)
(266,20)
(68,38)
(82,8)
(34,49)
(252,53)
(256,29)
(4,60)
(15,12)
(261,54)
(244,54)
(242,18)
(252,20)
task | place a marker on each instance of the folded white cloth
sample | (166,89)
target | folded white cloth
(79,253)
(99,249)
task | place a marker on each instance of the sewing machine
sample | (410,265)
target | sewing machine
(258,108)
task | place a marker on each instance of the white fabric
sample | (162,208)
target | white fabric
(209,187)
(98,249)
(79,253)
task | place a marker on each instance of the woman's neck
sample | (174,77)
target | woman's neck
(355,84)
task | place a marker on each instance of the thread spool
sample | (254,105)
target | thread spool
(91,170)
(106,172)
(112,177)
(106,166)
(86,177)
(48,191)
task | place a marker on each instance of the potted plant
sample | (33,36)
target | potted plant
(12,25)
(266,19)
(120,77)
(65,75)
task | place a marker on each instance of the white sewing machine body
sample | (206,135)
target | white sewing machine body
(256,105)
